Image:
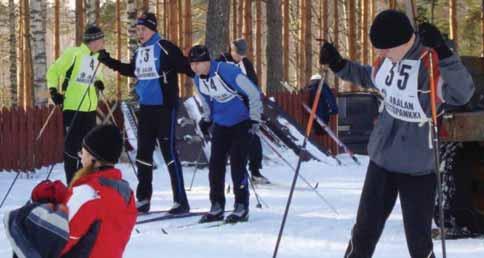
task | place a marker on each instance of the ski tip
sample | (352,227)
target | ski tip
(164,231)
(316,185)
(259,206)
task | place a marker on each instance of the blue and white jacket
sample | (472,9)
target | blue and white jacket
(228,96)
(155,65)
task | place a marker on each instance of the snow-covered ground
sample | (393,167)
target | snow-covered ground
(312,228)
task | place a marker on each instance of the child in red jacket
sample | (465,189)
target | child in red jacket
(98,206)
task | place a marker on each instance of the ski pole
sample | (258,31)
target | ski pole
(9,189)
(41,132)
(301,176)
(196,168)
(333,136)
(435,139)
(298,167)
(76,113)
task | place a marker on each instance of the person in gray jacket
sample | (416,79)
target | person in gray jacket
(401,160)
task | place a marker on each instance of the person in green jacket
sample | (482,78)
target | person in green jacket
(76,72)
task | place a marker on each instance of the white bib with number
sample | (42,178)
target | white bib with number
(145,64)
(398,84)
(86,71)
(216,88)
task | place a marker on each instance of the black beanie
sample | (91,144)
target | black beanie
(104,142)
(92,33)
(148,20)
(198,53)
(390,29)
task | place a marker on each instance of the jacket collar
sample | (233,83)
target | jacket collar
(110,173)
(155,38)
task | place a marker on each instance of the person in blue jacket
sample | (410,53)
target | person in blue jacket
(232,104)
(155,65)
(327,102)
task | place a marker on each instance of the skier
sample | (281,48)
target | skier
(155,65)
(327,102)
(75,70)
(231,102)
(92,218)
(401,162)
(237,56)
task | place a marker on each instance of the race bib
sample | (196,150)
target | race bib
(216,88)
(398,83)
(86,71)
(145,64)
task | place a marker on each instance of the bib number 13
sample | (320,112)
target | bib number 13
(403,76)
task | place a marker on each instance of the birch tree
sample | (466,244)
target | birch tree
(12,52)
(38,15)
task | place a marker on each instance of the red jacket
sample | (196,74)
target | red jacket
(105,198)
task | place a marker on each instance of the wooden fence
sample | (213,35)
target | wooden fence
(292,104)
(19,128)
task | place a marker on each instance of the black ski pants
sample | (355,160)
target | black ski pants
(157,124)
(380,190)
(255,155)
(82,123)
(230,141)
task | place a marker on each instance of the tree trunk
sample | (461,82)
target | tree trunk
(217,33)
(308,50)
(27,56)
(240,18)
(274,45)
(258,39)
(79,21)
(188,42)
(21,75)
(248,26)
(234,19)
(146,5)
(12,53)
(482,28)
(364,31)
(118,47)
(336,36)
(285,44)
(38,13)
(91,12)
(56,29)
(453,21)
(132,39)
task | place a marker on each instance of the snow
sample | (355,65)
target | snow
(312,228)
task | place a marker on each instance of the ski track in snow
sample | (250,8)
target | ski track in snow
(312,228)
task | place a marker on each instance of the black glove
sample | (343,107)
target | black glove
(431,37)
(329,55)
(204,126)
(56,96)
(103,56)
(99,85)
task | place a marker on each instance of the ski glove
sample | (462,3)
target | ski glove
(204,126)
(329,55)
(99,85)
(103,56)
(431,37)
(49,192)
(254,127)
(56,97)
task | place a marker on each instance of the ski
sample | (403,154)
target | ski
(168,216)
(333,136)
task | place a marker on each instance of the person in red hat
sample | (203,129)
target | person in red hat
(93,217)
